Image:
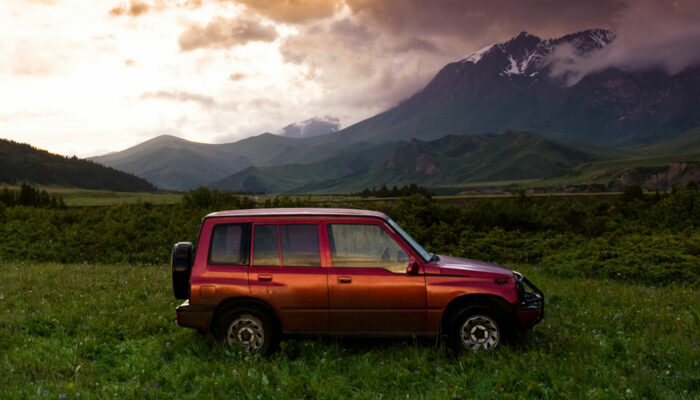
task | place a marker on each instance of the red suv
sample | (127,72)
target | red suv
(258,274)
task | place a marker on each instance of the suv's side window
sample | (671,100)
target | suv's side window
(300,245)
(266,250)
(230,245)
(362,246)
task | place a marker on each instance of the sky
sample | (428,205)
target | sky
(85,78)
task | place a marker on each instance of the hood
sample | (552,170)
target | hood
(455,266)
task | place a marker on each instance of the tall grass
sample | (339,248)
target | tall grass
(108,331)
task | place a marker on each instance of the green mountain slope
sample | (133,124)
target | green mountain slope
(177,164)
(448,160)
(21,162)
(173,163)
(686,143)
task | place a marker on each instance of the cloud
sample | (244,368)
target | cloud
(133,9)
(293,11)
(204,101)
(264,103)
(226,33)
(651,34)
(482,22)
(311,127)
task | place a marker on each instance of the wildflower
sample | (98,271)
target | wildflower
(652,287)
(605,317)
(279,390)
(628,391)
(62,396)
(167,344)
(415,371)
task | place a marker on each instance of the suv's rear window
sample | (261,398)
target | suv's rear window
(230,244)
(368,246)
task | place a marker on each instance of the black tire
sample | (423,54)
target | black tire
(477,328)
(181,267)
(250,328)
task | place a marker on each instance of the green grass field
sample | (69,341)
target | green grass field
(108,331)
(74,197)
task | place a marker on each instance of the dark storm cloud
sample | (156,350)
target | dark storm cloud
(651,34)
(479,21)
(225,33)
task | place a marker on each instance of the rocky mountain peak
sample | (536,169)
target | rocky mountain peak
(526,54)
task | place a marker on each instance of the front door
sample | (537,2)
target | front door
(286,272)
(369,289)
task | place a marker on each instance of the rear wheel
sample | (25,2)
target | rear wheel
(475,329)
(249,329)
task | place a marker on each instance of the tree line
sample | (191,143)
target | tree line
(30,196)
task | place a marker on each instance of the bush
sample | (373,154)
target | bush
(650,242)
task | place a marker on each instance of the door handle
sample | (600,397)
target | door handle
(264,277)
(344,279)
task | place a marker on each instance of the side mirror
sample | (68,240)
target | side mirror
(413,267)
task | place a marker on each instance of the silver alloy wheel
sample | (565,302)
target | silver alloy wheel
(479,332)
(246,331)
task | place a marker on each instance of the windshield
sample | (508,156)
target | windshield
(424,254)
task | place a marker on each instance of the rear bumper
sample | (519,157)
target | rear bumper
(530,310)
(194,316)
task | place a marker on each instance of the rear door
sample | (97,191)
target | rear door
(287,272)
(369,289)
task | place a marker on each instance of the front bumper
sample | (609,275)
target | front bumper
(530,310)
(194,316)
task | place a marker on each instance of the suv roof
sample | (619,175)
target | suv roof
(343,212)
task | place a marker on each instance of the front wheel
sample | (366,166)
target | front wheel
(248,329)
(476,329)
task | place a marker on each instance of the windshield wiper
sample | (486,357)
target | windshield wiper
(434,257)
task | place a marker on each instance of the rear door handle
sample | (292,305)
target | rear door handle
(264,277)
(344,279)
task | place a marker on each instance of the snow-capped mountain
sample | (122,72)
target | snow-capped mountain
(520,84)
(529,55)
